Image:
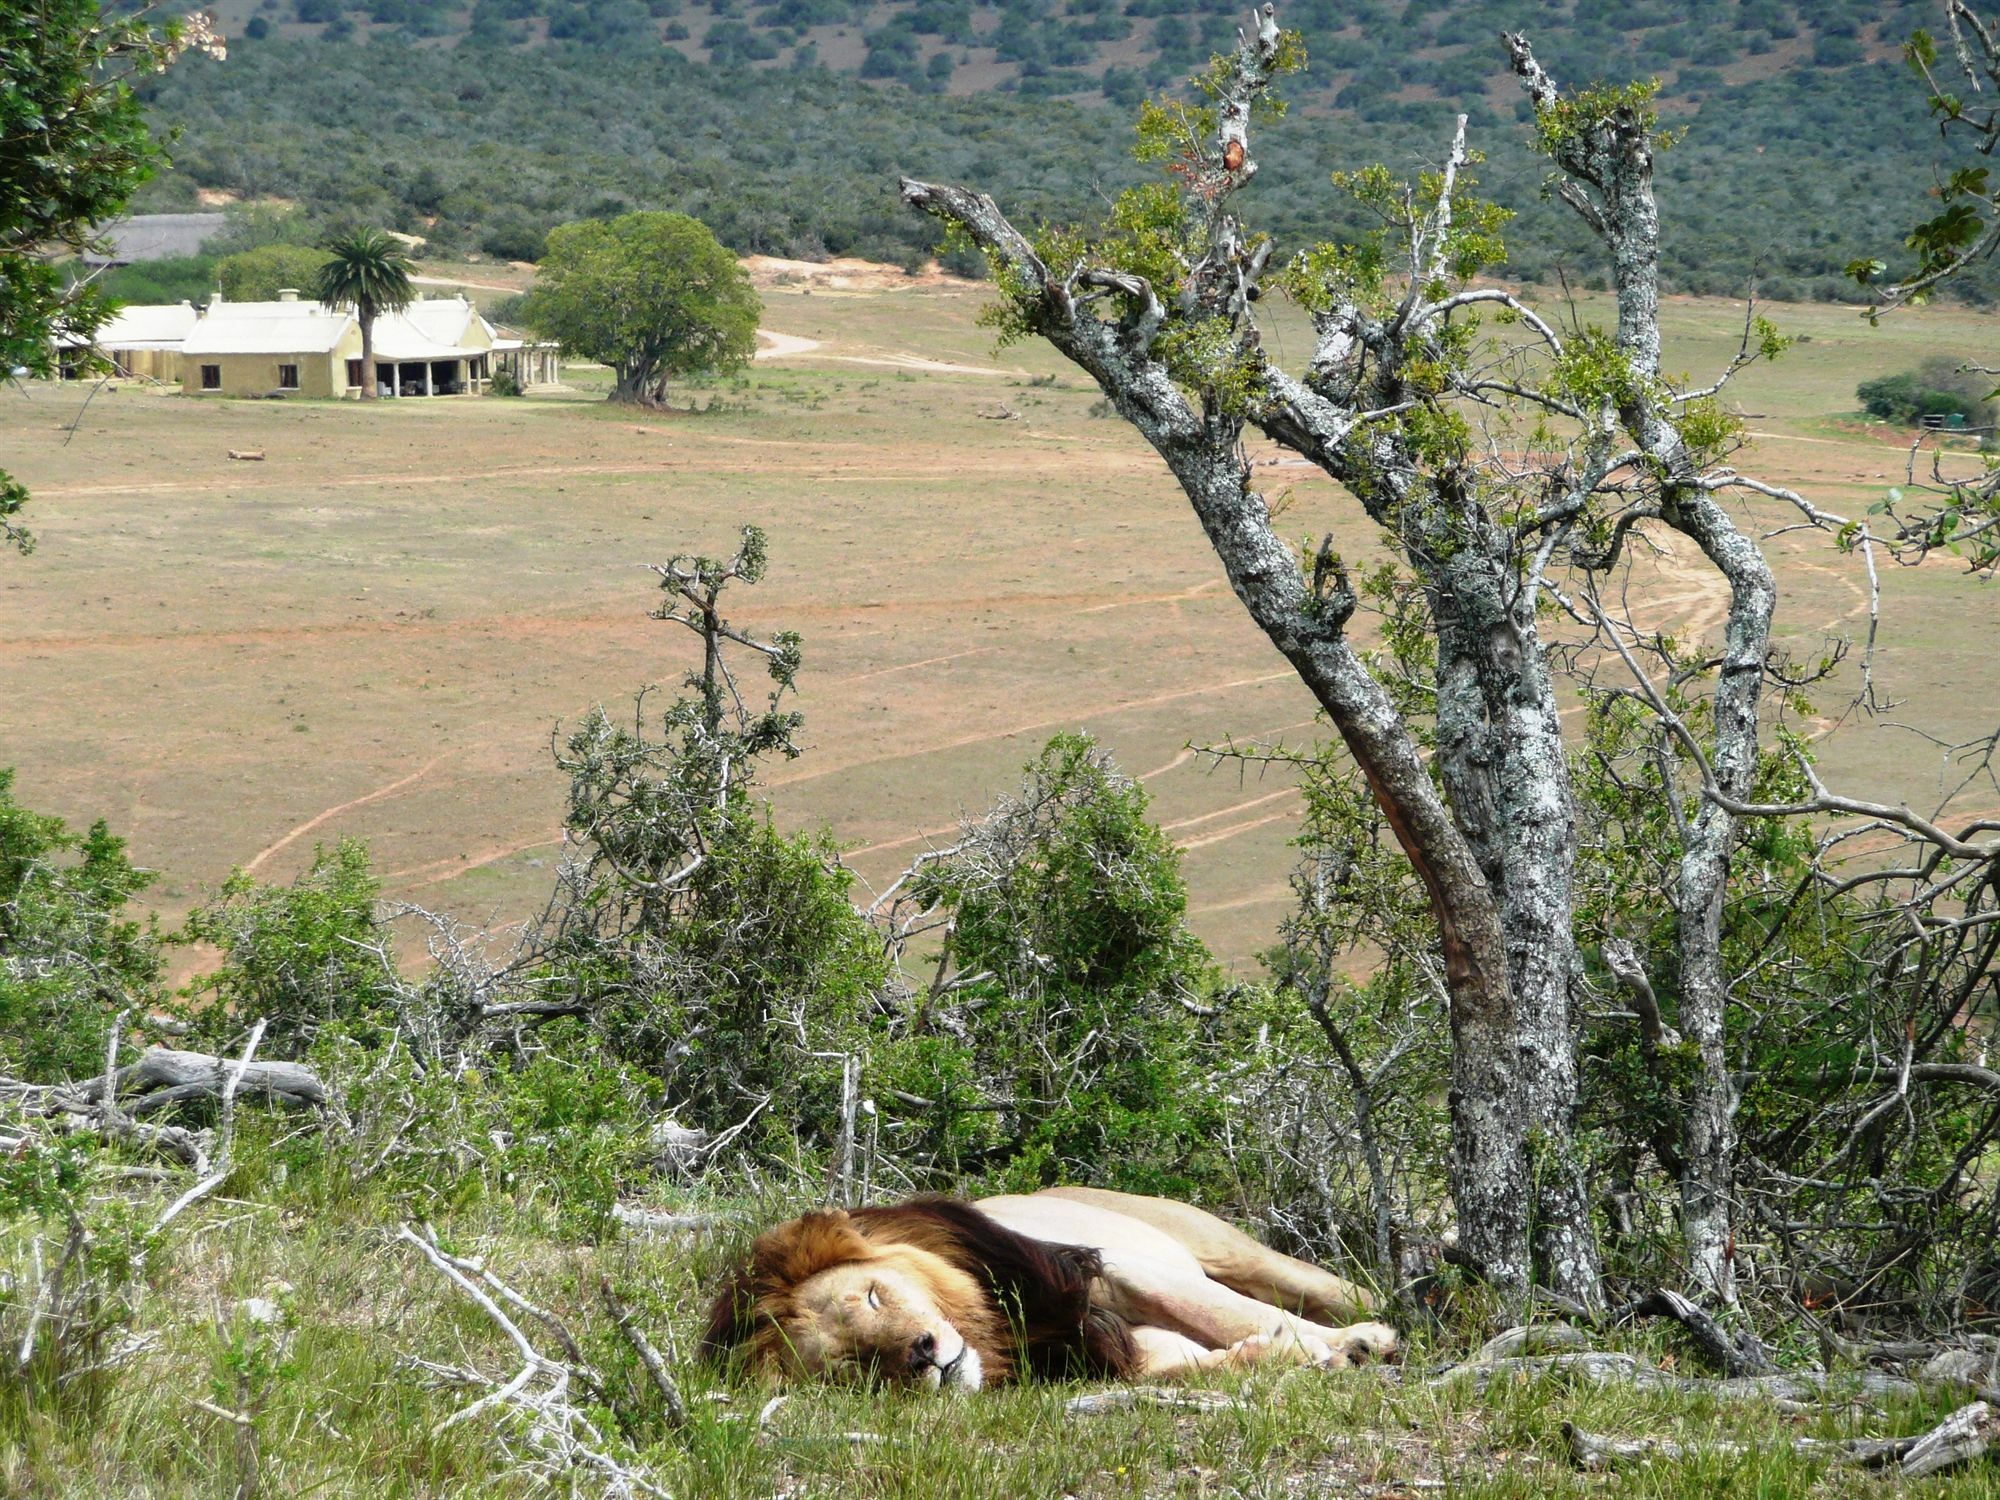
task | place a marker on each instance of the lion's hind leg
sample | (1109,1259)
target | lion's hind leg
(1235,1259)
(1166,1355)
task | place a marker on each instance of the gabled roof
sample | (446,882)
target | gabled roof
(148,327)
(156,326)
(426,329)
(443,320)
(268,328)
(146,237)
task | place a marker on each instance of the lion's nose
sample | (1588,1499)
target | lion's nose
(923,1351)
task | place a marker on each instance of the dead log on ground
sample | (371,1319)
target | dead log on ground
(1125,1397)
(1602,1368)
(558,1438)
(1965,1435)
(166,1075)
(1734,1353)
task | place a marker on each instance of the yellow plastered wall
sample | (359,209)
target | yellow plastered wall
(163,365)
(257,374)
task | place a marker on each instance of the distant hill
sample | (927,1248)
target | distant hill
(784,122)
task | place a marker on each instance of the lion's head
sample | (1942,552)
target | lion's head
(821,1298)
(932,1294)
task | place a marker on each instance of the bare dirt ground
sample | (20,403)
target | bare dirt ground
(374,631)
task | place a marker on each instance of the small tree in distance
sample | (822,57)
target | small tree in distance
(367,271)
(652,295)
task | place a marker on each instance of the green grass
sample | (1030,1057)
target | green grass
(346,1413)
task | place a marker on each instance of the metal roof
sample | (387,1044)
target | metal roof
(163,326)
(425,330)
(146,237)
(429,328)
(267,328)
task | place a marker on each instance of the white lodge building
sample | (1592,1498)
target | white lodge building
(434,347)
(290,347)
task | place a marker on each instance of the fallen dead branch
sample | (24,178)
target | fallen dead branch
(653,1221)
(69,1108)
(560,1436)
(1965,1435)
(113,1104)
(1735,1352)
(1603,1368)
(767,1416)
(1124,1398)
(166,1075)
(247,455)
(225,1137)
(1530,1338)
(656,1368)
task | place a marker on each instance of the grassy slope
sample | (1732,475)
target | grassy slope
(347,1415)
(372,631)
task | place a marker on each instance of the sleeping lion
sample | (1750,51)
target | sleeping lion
(950,1295)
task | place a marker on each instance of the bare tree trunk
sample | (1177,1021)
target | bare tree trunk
(1490,1113)
(1613,157)
(368,357)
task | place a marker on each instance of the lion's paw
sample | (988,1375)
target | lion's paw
(1278,1348)
(1366,1343)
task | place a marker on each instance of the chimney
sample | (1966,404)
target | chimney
(215,299)
(288,294)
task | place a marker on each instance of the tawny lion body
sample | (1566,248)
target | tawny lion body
(954,1295)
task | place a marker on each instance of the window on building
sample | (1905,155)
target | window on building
(211,377)
(353,373)
(288,377)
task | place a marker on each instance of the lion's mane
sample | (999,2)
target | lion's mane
(1022,1304)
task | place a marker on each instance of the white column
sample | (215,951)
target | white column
(427,379)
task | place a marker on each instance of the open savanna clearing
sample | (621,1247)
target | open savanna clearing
(373,631)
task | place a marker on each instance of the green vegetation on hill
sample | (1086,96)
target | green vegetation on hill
(783,124)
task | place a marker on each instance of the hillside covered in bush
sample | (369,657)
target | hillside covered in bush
(784,124)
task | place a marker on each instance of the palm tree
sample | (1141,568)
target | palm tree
(368,272)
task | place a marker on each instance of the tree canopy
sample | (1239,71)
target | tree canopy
(73,146)
(653,295)
(259,275)
(366,270)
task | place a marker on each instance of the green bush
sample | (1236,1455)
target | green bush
(751,990)
(1070,1050)
(70,959)
(1936,388)
(303,957)
(259,274)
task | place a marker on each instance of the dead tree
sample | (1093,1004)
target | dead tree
(1488,465)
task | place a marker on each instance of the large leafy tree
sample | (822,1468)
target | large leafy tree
(73,146)
(1506,466)
(653,295)
(367,271)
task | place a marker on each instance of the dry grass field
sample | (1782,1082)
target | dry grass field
(373,631)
